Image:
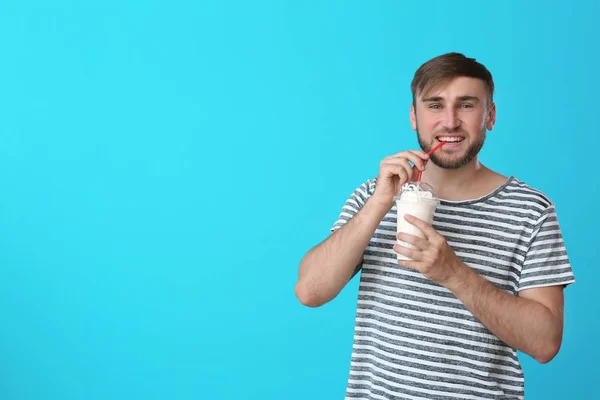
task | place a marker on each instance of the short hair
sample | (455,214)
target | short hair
(441,69)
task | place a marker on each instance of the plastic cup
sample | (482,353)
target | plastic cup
(419,200)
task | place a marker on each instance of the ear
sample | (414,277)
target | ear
(413,117)
(491,117)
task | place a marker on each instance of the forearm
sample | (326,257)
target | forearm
(523,324)
(327,268)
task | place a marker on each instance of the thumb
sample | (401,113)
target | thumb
(415,173)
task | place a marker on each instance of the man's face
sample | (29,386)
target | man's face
(457,112)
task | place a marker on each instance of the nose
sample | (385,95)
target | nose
(452,121)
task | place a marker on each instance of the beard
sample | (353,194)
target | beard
(456,163)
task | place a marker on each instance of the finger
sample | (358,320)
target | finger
(416,241)
(419,159)
(410,170)
(391,170)
(414,254)
(403,162)
(409,264)
(421,154)
(427,229)
(415,173)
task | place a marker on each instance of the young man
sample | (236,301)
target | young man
(486,281)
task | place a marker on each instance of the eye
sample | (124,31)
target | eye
(435,106)
(466,105)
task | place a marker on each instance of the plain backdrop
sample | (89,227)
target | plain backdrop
(164,166)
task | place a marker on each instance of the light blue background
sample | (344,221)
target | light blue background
(165,165)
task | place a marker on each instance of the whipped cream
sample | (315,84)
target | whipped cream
(413,190)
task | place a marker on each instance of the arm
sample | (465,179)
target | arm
(325,269)
(531,322)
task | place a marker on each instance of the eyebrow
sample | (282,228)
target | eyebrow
(460,98)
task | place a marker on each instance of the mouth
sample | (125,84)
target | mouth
(451,140)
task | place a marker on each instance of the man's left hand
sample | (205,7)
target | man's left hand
(432,256)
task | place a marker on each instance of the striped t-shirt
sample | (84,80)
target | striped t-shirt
(413,338)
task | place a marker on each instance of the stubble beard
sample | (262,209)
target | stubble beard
(469,155)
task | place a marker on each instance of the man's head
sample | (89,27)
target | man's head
(453,101)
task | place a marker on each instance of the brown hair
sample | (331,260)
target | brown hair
(441,69)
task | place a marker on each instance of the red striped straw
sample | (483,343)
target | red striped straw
(430,153)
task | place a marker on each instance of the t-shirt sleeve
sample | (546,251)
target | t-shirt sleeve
(546,262)
(355,202)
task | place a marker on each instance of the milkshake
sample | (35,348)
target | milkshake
(417,199)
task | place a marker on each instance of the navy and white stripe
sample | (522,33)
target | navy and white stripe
(413,338)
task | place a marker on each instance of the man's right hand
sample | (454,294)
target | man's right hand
(395,171)
(327,268)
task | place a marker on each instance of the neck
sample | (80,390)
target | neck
(458,184)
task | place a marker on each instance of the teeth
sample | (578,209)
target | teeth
(450,139)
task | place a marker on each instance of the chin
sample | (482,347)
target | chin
(453,161)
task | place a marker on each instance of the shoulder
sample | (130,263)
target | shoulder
(370,185)
(518,186)
(528,196)
(367,188)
